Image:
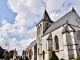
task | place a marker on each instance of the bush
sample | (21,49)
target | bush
(53,57)
(61,59)
(78,58)
(26,58)
(21,58)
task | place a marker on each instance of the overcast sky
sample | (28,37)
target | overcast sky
(18,19)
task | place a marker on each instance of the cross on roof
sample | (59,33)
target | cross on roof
(45,6)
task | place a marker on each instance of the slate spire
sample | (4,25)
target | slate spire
(46,16)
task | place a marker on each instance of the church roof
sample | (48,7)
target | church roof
(59,22)
(45,17)
(32,44)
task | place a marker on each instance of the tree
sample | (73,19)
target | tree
(6,55)
(1,52)
(78,58)
(9,54)
(53,57)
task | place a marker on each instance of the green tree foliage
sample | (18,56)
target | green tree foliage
(78,58)
(26,58)
(61,59)
(9,54)
(6,56)
(1,52)
(53,57)
(21,58)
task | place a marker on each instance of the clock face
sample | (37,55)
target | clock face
(78,35)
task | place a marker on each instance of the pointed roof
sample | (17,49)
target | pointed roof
(60,22)
(66,28)
(45,17)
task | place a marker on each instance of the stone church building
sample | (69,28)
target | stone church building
(61,36)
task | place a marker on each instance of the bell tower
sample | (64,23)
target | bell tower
(43,25)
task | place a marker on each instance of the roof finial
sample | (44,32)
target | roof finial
(45,5)
(73,9)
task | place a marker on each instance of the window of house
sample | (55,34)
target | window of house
(38,50)
(38,30)
(30,54)
(56,43)
(43,54)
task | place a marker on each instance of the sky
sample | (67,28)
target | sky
(18,19)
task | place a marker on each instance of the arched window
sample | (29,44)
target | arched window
(38,30)
(56,43)
(47,25)
(43,54)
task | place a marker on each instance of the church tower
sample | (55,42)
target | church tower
(44,24)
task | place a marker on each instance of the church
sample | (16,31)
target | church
(61,36)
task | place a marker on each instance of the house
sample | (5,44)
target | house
(62,36)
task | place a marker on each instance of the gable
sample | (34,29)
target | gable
(49,37)
(68,28)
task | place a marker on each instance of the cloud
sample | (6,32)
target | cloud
(58,8)
(16,36)
(27,11)
(22,32)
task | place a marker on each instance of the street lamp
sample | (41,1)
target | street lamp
(7,44)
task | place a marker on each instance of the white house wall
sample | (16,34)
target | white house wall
(45,46)
(63,52)
(57,32)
